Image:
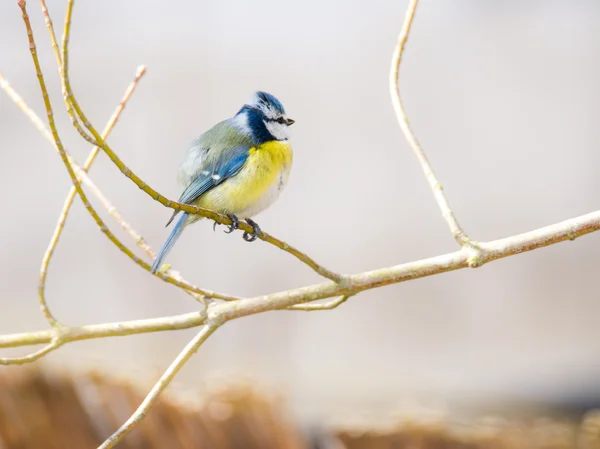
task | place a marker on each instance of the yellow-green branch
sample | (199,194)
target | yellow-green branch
(68,164)
(62,219)
(98,140)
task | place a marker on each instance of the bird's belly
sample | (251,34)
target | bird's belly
(263,202)
(256,186)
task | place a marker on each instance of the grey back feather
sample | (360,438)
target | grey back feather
(209,153)
(206,150)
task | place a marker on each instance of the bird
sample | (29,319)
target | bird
(237,168)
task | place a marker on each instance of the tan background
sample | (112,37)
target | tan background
(503,96)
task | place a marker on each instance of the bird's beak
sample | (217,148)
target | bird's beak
(290,122)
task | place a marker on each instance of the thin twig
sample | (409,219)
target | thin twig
(71,100)
(54,344)
(328,305)
(141,70)
(158,388)
(177,279)
(71,196)
(70,169)
(438,191)
(59,64)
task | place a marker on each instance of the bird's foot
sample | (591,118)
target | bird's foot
(256,232)
(235,224)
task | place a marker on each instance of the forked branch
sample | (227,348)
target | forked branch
(437,189)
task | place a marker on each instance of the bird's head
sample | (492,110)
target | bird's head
(264,118)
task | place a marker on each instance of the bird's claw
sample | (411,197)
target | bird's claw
(256,232)
(235,224)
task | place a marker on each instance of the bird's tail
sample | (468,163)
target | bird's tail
(168,245)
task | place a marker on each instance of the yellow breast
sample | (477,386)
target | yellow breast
(256,186)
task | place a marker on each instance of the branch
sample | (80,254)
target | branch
(438,191)
(465,257)
(62,219)
(54,344)
(171,277)
(92,331)
(158,388)
(59,64)
(219,313)
(99,141)
(328,305)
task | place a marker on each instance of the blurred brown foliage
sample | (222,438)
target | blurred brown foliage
(44,409)
(487,433)
(41,409)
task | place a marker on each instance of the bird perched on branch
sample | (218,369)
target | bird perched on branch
(236,168)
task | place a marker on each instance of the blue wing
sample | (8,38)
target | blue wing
(215,171)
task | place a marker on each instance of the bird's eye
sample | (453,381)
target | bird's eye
(281,120)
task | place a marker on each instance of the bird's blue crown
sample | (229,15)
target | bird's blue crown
(267,102)
(253,116)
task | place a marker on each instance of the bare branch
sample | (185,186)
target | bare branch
(171,276)
(54,344)
(496,249)
(465,257)
(92,331)
(158,388)
(329,305)
(438,191)
(59,64)
(71,196)
(72,102)
(141,70)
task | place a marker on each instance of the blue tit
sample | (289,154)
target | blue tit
(237,168)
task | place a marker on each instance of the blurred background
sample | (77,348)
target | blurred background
(504,97)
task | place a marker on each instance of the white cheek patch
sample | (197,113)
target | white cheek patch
(280,131)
